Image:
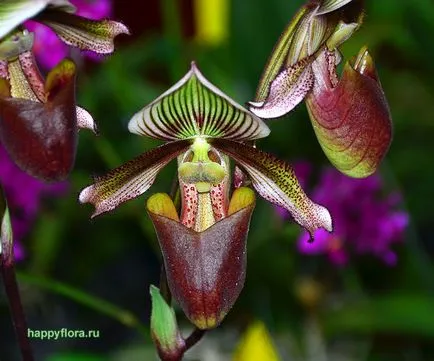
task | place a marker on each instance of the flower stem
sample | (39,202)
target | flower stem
(194,338)
(16,307)
(125,317)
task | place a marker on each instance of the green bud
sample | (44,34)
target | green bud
(164,328)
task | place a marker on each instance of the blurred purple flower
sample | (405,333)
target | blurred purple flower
(49,49)
(366,219)
(24,194)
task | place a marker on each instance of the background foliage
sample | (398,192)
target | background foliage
(363,311)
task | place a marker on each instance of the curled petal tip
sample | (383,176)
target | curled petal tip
(85,121)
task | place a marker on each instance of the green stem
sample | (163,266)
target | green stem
(125,317)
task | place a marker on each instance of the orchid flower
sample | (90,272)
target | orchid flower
(38,118)
(350,116)
(204,246)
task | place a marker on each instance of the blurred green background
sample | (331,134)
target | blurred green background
(313,309)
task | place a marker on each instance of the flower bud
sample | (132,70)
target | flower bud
(164,328)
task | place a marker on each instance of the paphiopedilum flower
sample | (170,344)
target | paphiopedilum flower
(350,116)
(203,127)
(76,31)
(39,118)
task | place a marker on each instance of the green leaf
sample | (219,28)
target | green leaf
(404,314)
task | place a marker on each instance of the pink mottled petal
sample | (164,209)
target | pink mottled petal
(287,90)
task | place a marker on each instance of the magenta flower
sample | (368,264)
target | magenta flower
(24,194)
(48,48)
(366,219)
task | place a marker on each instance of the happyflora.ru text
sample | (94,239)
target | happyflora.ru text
(62,333)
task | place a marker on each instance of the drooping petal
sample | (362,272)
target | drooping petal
(286,91)
(205,270)
(193,107)
(82,33)
(130,179)
(41,137)
(275,181)
(352,120)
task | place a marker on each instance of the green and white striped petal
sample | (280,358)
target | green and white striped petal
(15,12)
(195,107)
(130,179)
(82,33)
(275,181)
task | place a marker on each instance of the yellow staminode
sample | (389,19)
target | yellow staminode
(162,204)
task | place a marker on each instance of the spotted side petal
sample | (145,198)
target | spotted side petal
(130,179)
(193,107)
(275,181)
(82,33)
(15,12)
